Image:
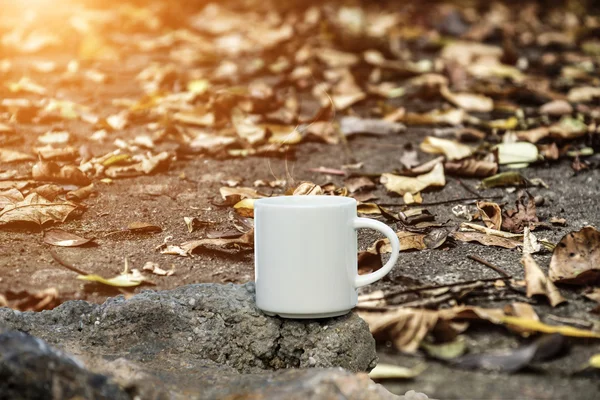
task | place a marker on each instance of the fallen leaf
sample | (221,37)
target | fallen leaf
(124,279)
(8,156)
(576,258)
(413,185)
(583,94)
(517,155)
(515,220)
(359,183)
(538,283)
(436,117)
(308,189)
(233,195)
(487,240)
(46,299)
(50,171)
(453,150)
(446,351)
(412,199)
(354,125)
(533,135)
(388,371)
(35,208)
(568,128)
(82,193)
(58,237)
(556,108)
(538,326)
(59,137)
(156,270)
(558,221)
(408,241)
(471,168)
(244,241)
(10,196)
(490,214)
(343,101)
(143,227)
(468,101)
(543,348)
(509,178)
(531,244)
(245,208)
(144,164)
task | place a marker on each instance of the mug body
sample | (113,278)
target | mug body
(305,255)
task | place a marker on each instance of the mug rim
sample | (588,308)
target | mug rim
(305,201)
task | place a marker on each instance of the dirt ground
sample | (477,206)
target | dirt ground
(190,188)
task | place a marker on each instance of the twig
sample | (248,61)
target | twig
(468,188)
(490,265)
(437,203)
(66,264)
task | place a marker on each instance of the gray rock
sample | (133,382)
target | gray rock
(189,343)
(203,325)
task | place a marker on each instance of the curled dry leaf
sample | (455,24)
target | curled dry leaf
(538,283)
(308,189)
(490,214)
(510,178)
(233,195)
(516,219)
(576,258)
(487,240)
(82,193)
(37,209)
(403,184)
(354,125)
(471,168)
(50,171)
(187,248)
(453,150)
(58,237)
(359,183)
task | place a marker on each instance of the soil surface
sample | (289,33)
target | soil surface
(189,187)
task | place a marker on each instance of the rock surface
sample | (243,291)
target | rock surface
(190,342)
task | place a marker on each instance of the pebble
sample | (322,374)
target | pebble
(539,200)
(192,302)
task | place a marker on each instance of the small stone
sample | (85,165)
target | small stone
(311,361)
(539,200)
(192,302)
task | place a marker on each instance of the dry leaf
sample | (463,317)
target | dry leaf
(354,125)
(517,155)
(156,270)
(568,128)
(471,168)
(583,94)
(143,227)
(556,108)
(510,178)
(308,189)
(125,279)
(453,150)
(469,227)
(531,244)
(10,196)
(490,214)
(515,220)
(82,193)
(538,283)
(533,135)
(388,371)
(576,258)
(359,183)
(50,171)
(436,117)
(468,101)
(558,221)
(58,237)
(244,241)
(60,137)
(247,129)
(235,195)
(146,164)
(46,299)
(245,208)
(35,208)
(8,156)
(413,185)
(538,326)
(487,240)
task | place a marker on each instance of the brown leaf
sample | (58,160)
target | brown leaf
(538,283)
(147,163)
(10,196)
(354,125)
(468,101)
(8,156)
(233,195)
(471,168)
(556,108)
(515,220)
(436,117)
(58,237)
(45,299)
(576,258)
(37,209)
(244,241)
(82,193)
(533,135)
(143,227)
(413,185)
(452,149)
(487,240)
(308,189)
(359,183)
(490,213)
(50,171)
(247,129)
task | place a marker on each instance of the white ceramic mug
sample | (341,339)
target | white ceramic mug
(306,255)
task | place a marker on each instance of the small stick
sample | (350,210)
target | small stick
(66,264)
(490,265)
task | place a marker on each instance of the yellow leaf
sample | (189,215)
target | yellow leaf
(413,185)
(544,328)
(245,208)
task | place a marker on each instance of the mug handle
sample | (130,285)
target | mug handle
(362,280)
